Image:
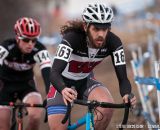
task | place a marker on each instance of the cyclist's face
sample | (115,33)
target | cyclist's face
(26,45)
(97,36)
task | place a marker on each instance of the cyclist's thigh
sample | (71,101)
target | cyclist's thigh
(5,117)
(56,109)
(97,91)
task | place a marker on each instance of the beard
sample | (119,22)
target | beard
(97,43)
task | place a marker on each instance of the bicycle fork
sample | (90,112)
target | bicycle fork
(89,121)
(20,118)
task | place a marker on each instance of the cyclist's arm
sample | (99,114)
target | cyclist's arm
(43,59)
(56,74)
(3,54)
(61,60)
(118,60)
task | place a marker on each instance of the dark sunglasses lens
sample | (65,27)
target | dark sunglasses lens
(34,40)
(27,40)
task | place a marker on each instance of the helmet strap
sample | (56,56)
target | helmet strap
(87,25)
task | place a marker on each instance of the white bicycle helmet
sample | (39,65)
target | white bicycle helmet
(98,13)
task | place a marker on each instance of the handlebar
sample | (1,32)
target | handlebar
(22,105)
(93,104)
(17,105)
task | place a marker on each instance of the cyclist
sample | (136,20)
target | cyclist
(84,45)
(17,58)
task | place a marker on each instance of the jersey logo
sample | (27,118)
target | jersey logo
(18,66)
(63,52)
(103,50)
(119,57)
(82,67)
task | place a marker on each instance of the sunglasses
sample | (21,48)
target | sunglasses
(28,40)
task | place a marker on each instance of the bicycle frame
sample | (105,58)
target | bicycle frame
(87,119)
(20,118)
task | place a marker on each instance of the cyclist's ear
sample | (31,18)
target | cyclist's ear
(17,39)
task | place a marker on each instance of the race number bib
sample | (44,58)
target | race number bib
(43,59)
(119,58)
(63,52)
(3,54)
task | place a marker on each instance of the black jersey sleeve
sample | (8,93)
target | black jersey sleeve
(124,83)
(61,60)
(56,77)
(44,60)
(118,60)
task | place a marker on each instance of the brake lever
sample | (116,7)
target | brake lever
(131,95)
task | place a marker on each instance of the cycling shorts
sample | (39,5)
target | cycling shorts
(11,91)
(55,103)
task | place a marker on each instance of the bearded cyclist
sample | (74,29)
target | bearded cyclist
(17,58)
(84,45)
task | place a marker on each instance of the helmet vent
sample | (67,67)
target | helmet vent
(101,9)
(36,29)
(89,10)
(102,16)
(27,28)
(88,17)
(22,28)
(109,16)
(95,16)
(32,29)
(107,10)
(25,21)
(96,9)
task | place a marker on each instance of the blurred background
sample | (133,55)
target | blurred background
(136,22)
